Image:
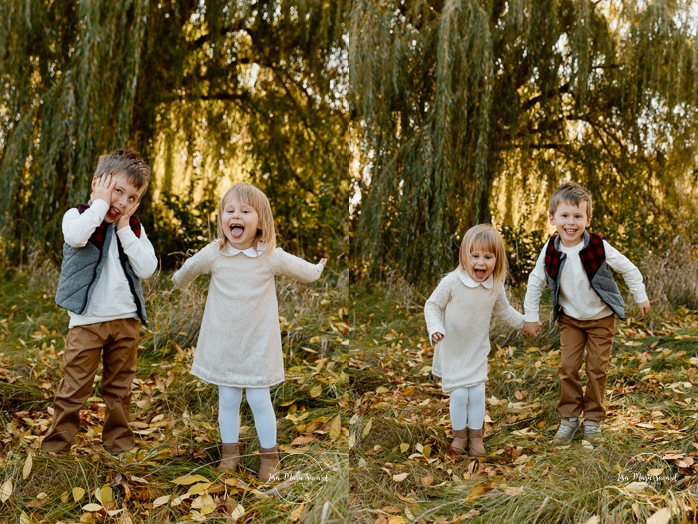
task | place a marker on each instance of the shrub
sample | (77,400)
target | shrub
(182,223)
(672,274)
(523,248)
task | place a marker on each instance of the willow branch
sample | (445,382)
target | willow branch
(564,88)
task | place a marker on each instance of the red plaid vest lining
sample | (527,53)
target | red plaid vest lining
(100,233)
(592,256)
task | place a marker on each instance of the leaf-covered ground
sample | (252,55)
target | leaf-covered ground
(641,470)
(170,476)
(363,426)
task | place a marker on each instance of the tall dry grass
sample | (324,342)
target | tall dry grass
(672,275)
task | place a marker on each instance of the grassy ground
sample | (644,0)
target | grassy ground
(170,476)
(360,417)
(642,468)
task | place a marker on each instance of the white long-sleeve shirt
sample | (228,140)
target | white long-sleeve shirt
(577,299)
(111,298)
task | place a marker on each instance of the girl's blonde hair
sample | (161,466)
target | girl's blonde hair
(250,195)
(484,237)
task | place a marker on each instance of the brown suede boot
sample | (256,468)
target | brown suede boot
(230,457)
(459,442)
(477,446)
(268,463)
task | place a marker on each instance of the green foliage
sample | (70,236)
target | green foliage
(185,225)
(208,92)
(523,249)
(463,106)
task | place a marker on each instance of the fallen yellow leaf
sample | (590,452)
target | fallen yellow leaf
(6,490)
(203,502)
(297,513)
(300,441)
(104,495)
(27,467)
(315,391)
(187,479)
(367,428)
(663,516)
(336,427)
(199,488)
(78,493)
(161,501)
(238,512)
(475,493)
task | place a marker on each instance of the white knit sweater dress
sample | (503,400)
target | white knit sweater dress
(240,338)
(461,309)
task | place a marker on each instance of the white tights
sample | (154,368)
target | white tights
(259,400)
(467,407)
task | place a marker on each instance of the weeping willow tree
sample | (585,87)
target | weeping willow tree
(466,111)
(208,91)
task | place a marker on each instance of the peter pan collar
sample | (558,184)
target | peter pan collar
(250,252)
(465,277)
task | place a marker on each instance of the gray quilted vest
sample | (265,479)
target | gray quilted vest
(593,259)
(82,267)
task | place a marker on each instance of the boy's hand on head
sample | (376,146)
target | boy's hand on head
(532,328)
(644,307)
(125,218)
(436,338)
(102,188)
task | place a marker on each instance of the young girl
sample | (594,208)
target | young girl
(239,346)
(458,315)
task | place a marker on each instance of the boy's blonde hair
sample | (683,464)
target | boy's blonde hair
(128,162)
(570,193)
(248,194)
(484,237)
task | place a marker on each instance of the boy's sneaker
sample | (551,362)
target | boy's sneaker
(592,429)
(566,431)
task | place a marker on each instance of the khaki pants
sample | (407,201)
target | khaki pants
(116,344)
(597,337)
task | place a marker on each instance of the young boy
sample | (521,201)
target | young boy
(105,254)
(576,265)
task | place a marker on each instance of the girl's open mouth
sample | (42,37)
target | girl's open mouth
(236,231)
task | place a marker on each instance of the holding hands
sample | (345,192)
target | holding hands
(532,328)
